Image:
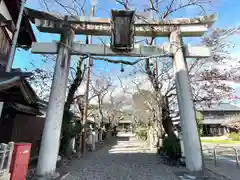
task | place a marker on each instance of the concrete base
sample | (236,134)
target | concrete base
(194,176)
(56,175)
(5,176)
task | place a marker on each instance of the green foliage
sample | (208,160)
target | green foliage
(235,136)
(172,147)
(142,124)
(142,133)
(199,118)
(70,129)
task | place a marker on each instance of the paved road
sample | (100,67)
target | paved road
(128,159)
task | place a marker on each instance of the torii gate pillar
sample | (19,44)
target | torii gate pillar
(52,128)
(191,140)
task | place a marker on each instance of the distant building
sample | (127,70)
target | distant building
(217,118)
(125,123)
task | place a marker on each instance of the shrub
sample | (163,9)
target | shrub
(171,147)
(235,136)
(142,134)
(70,129)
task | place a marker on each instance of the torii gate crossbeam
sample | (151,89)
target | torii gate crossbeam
(138,51)
(68,25)
(54,23)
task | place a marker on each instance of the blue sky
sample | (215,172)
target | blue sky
(227,10)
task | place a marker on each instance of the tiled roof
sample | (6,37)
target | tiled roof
(16,88)
(215,121)
(125,121)
(24,108)
(219,107)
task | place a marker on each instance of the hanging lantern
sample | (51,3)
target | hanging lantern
(122,68)
(122,26)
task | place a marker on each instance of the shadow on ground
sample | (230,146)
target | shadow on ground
(122,158)
(125,158)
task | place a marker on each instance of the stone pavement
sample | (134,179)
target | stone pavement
(127,159)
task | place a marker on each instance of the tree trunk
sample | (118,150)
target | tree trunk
(67,131)
(171,144)
(166,119)
(74,86)
(100,108)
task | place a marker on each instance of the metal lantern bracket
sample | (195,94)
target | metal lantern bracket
(122,68)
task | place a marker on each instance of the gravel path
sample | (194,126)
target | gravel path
(127,159)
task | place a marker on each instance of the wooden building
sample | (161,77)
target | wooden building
(125,125)
(9,10)
(217,117)
(21,119)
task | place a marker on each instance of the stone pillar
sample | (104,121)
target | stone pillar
(52,128)
(225,130)
(108,134)
(155,137)
(101,135)
(191,140)
(96,136)
(150,138)
(181,144)
(79,153)
(71,147)
(93,140)
(89,139)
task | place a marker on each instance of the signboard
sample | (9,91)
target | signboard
(122,38)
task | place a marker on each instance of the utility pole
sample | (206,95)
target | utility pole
(158,110)
(14,44)
(153,123)
(89,64)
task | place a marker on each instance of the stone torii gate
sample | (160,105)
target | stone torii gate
(68,26)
